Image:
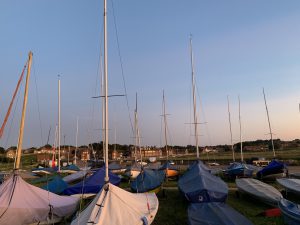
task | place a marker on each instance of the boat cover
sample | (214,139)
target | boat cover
(239,169)
(290,211)
(22,203)
(113,205)
(199,185)
(215,213)
(93,184)
(70,167)
(148,180)
(168,165)
(56,185)
(273,167)
(115,166)
(75,176)
(262,191)
(291,184)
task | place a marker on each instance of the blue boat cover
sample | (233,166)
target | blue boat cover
(274,167)
(199,185)
(93,184)
(71,167)
(56,185)
(147,180)
(114,166)
(215,213)
(238,169)
(290,211)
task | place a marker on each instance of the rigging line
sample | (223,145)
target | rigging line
(122,70)
(38,104)
(12,119)
(12,101)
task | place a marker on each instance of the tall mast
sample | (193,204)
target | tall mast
(194,99)
(135,129)
(165,123)
(75,161)
(271,134)
(242,157)
(20,140)
(58,123)
(233,157)
(106,179)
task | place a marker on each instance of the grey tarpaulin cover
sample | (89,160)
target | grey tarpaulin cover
(215,213)
(199,185)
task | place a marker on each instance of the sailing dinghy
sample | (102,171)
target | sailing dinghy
(215,213)
(260,190)
(113,205)
(290,184)
(290,212)
(22,203)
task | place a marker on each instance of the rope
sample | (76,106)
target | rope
(38,105)
(122,70)
(12,101)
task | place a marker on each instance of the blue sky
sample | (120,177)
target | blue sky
(239,48)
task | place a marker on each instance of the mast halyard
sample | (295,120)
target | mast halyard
(194,99)
(271,134)
(241,142)
(233,157)
(21,132)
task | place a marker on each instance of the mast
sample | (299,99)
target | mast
(75,161)
(20,140)
(194,99)
(233,157)
(242,157)
(135,129)
(271,134)
(106,179)
(165,123)
(58,122)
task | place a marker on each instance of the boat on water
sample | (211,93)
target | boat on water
(148,181)
(290,211)
(259,190)
(113,205)
(198,185)
(290,184)
(215,213)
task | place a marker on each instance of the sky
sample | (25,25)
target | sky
(240,47)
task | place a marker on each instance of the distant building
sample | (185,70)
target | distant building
(11,153)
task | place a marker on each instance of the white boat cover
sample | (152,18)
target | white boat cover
(75,176)
(115,206)
(262,191)
(22,203)
(291,184)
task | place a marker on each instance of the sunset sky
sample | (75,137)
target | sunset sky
(240,47)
